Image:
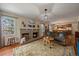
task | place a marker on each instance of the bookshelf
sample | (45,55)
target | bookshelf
(7,29)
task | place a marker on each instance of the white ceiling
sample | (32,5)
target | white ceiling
(32,10)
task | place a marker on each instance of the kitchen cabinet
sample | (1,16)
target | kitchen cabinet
(63,33)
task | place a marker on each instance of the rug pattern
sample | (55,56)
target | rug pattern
(37,48)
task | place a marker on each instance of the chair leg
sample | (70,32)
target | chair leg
(50,44)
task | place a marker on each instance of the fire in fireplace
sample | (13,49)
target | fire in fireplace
(35,34)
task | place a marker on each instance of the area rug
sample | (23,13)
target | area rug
(37,48)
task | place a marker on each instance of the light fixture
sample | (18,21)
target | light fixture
(45,16)
(46,22)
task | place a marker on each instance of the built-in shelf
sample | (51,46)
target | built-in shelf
(63,27)
(7,30)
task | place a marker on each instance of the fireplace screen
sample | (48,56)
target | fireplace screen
(26,35)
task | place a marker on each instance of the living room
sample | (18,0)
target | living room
(34,29)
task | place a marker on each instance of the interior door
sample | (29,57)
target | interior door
(76,41)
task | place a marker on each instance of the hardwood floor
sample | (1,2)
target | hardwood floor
(8,51)
(34,48)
